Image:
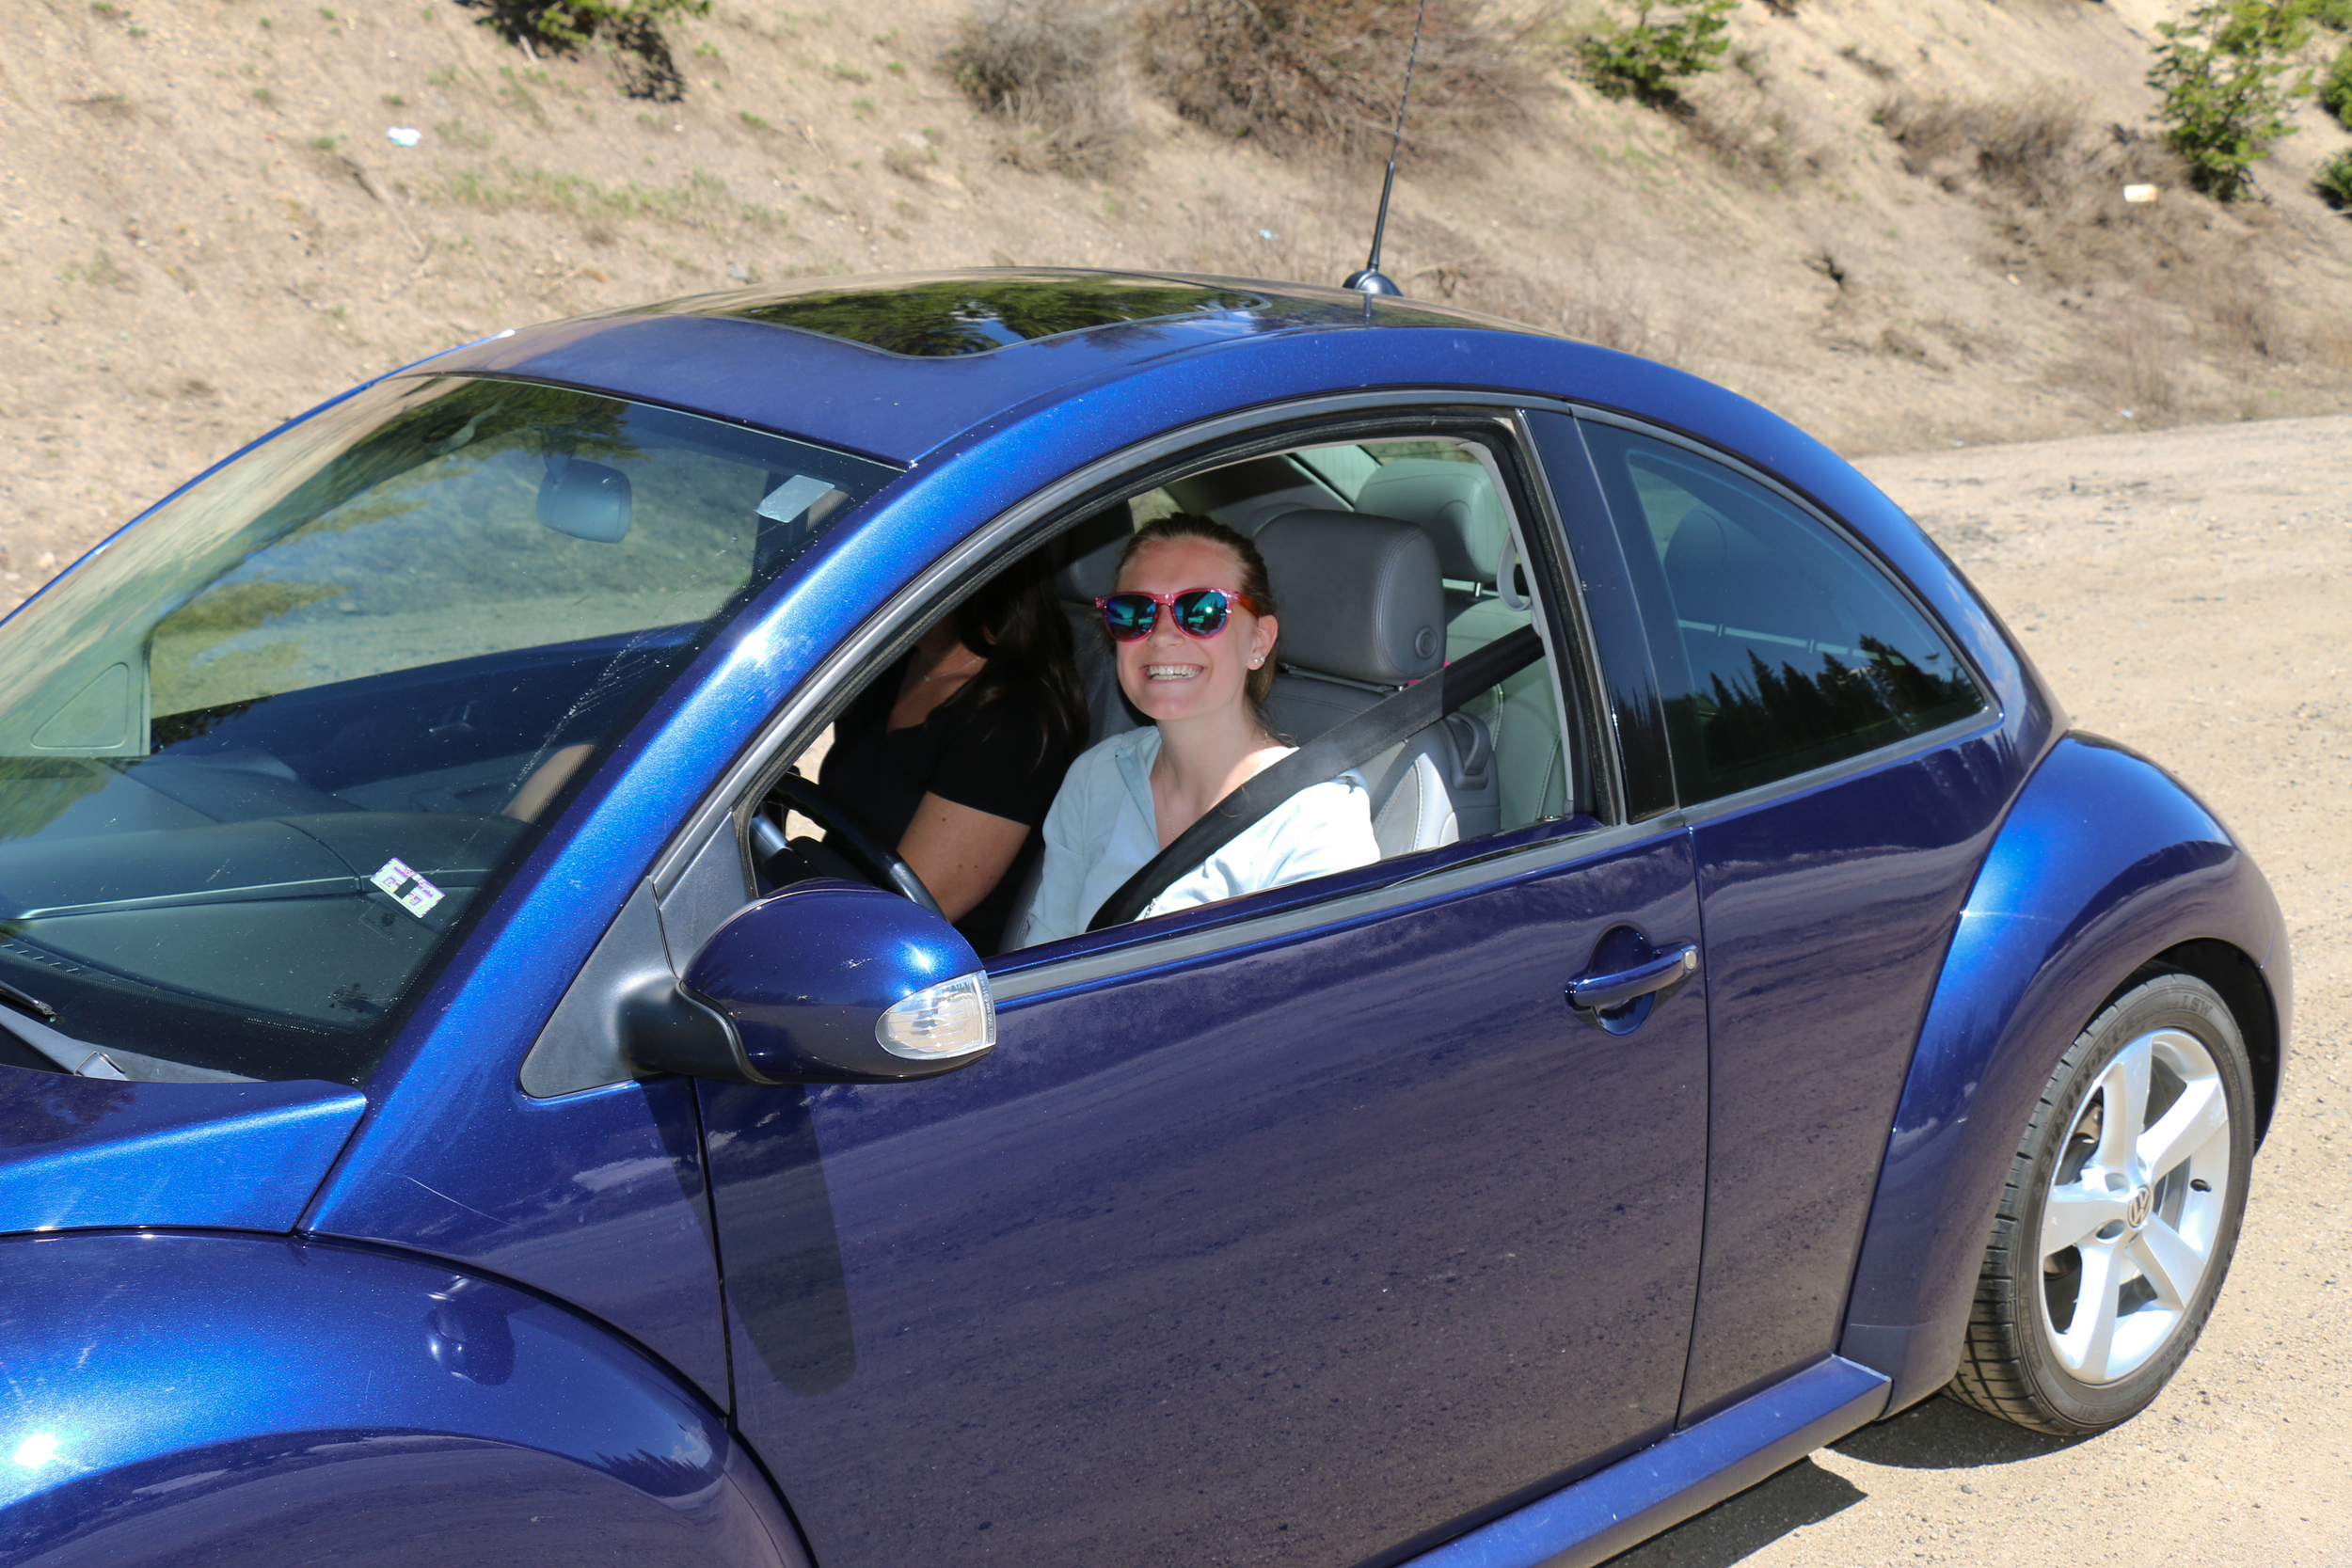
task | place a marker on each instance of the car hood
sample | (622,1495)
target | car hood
(80,1153)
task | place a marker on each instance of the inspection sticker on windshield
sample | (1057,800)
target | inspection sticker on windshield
(414,894)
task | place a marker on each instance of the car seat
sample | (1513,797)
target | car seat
(1456,505)
(1362,614)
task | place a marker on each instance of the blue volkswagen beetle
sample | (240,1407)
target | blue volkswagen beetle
(443,1119)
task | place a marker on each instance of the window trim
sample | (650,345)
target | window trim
(683,875)
(1805,503)
(1987,718)
(1549,845)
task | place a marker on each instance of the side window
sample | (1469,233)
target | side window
(1420,572)
(1782,648)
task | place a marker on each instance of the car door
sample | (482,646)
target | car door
(1842,771)
(1313,1228)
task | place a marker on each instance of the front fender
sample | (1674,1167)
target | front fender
(216,1399)
(2105,863)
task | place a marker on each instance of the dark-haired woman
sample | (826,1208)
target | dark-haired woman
(954,754)
(1193,626)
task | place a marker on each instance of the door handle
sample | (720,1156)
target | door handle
(1599,992)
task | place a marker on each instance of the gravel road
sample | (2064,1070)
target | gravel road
(2190,594)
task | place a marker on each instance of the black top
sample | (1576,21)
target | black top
(1004,757)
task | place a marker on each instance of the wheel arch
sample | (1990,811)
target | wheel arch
(2229,970)
(212,1398)
(2105,867)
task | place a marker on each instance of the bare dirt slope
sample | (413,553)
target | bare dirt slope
(206,226)
(2186,594)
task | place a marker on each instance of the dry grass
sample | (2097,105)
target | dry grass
(2055,185)
(1322,76)
(2031,145)
(1057,75)
(1753,138)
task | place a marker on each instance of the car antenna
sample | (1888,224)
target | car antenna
(1372,281)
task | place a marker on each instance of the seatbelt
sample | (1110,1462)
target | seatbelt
(1351,744)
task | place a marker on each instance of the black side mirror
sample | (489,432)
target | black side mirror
(827,982)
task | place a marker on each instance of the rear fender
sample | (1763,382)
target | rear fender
(2104,864)
(213,1399)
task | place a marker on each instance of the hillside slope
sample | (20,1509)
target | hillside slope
(206,226)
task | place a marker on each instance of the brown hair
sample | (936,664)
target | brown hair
(1254,581)
(1015,622)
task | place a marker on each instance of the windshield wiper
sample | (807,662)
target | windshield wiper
(85,1060)
(24,1003)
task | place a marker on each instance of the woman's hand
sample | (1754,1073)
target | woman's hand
(961,854)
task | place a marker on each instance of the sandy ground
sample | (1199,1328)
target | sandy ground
(2187,594)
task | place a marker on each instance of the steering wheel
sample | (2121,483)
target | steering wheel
(882,864)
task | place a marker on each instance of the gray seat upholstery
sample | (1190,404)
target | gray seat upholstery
(1363,615)
(1456,504)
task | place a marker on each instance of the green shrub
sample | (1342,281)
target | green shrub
(1663,46)
(569,24)
(2224,73)
(632,27)
(2335,89)
(2334,181)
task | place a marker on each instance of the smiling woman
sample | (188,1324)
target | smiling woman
(292,729)
(1194,628)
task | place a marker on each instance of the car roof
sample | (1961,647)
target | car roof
(891,367)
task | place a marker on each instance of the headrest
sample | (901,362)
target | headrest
(1091,567)
(1360,596)
(1455,503)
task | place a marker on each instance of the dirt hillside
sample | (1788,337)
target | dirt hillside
(207,222)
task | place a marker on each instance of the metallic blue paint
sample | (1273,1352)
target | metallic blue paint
(1368,1200)
(1826,906)
(839,393)
(207,1399)
(1826,911)
(1687,1474)
(805,974)
(550,1193)
(2104,864)
(445,1095)
(78,1154)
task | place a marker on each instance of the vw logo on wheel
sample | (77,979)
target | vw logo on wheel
(2143,1200)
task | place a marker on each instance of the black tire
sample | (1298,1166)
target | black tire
(2032,1354)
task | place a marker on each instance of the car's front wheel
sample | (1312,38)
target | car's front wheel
(2119,1216)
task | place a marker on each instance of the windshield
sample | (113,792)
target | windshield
(263,756)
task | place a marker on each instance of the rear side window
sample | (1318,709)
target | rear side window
(1781,647)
